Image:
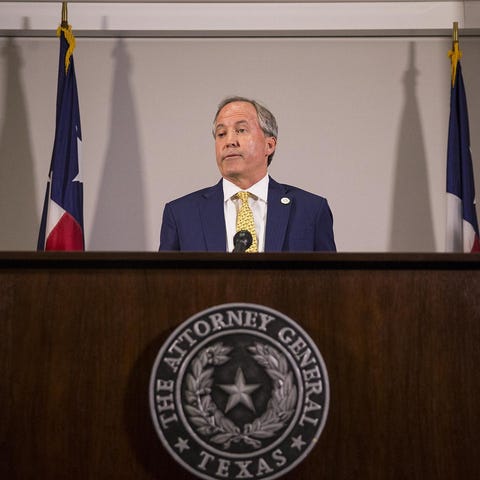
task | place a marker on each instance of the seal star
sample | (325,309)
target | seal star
(182,444)
(239,392)
(297,442)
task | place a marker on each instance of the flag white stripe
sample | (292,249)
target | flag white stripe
(460,234)
(55,213)
(468,236)
(454,229)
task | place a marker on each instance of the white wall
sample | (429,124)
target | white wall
(362,121)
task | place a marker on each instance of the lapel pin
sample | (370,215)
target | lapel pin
(285,200)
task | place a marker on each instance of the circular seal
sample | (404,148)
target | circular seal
(239,391)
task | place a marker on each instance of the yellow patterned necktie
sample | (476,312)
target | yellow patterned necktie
(245,219)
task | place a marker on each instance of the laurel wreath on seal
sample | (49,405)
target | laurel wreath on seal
(210,420)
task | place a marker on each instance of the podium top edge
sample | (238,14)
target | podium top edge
(263,261)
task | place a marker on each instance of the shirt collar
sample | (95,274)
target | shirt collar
(259,189)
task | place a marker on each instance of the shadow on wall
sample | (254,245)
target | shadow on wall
(412,228)
(119,222)
(19,216)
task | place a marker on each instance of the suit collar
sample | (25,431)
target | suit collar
(211,210)
(278,213)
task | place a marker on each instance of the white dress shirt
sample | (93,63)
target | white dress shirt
(258,204)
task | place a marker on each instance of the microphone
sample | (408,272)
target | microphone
(242,240)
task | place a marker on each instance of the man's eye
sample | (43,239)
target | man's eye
(241,130)
(220,134)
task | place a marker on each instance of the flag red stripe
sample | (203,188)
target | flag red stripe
(476,245)
(66,235)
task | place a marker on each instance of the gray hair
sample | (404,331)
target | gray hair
(265,117)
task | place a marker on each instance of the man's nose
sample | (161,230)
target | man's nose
(232,139)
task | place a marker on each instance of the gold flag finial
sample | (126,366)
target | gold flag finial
(64,15)
(455,32)
(455,54)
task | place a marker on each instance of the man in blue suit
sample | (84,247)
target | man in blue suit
(285,218)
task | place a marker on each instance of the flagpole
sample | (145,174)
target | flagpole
(64,14)
(455,53)
(454,33)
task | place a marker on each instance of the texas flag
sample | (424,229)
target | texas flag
(62,218)
(462,225)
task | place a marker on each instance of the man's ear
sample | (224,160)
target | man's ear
(270,145)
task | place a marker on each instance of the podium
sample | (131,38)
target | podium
(399,334)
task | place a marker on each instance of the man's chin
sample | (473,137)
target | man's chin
(232,167)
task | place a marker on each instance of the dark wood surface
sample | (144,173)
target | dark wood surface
(400,336)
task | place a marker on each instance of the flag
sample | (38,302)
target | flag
(462,225)
(61,226)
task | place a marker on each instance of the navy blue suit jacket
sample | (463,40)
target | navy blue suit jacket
(196,222)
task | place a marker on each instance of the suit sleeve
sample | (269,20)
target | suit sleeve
(169,240)
(324,237)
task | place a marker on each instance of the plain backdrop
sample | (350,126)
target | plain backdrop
(362,121)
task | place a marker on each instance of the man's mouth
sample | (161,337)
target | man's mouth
(231,155)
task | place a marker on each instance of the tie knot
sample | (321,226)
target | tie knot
(243,196)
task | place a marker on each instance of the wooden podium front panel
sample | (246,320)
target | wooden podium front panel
(400,337)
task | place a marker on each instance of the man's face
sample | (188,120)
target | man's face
(241,147)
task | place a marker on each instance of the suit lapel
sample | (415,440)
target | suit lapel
(212,216)
(278,213)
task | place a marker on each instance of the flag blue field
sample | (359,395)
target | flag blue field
(462,225)
(62,218)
